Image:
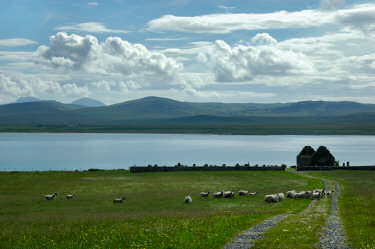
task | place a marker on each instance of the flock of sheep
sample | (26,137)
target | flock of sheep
(314,194)
(71,196)
(224,194)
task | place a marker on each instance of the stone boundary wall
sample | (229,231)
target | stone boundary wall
(318,168)
(140,169)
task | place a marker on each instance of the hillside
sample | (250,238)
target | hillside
(166,115)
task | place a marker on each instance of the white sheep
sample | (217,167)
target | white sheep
(218,194)
(300,195)
(69,196)
(243,192)
(229,194)
(316,196)
(204,194)
(290,194)
(253,193)
(50,197)
(118,200)
(188,199)
(330,193)
(270,198)
(280,196)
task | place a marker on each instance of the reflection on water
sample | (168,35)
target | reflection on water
(113,151)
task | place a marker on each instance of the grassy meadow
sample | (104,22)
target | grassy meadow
(152,216)
(356,204)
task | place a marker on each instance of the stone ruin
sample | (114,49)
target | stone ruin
(321,157)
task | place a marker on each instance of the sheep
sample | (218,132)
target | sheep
(188,199)
(280,196)
(308,194)
(253,193)
(50,197)
(270,198)
(243,192)
(229,194)
(69,196)
(290,194)
(316,195)
(300,195)
(218,194)
(330,193)
(204,194)
(118,200)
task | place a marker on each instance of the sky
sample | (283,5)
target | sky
(242,51)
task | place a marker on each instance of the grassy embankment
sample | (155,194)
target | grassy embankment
(356,204)
(152,216)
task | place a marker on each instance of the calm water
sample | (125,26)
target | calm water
(113,151)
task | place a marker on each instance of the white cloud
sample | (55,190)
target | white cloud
(13,86)
(226,8)
(90,27)
(16,42)
(93,3)
(357,16)
(114,56)
(243,63)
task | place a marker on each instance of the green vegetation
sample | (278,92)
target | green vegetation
(356,204)
(161,115)
(299,231)
(152,216)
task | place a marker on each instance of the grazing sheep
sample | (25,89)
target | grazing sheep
(50,197)
(308,194)
(291,194)
(118,200)
(218,194)
(188,199)
(243,192)
(270,198)
(204,194)
(253,193)
(300,195)
(316,196)
(280,196)
(330,193)
(69,196)
(229,194)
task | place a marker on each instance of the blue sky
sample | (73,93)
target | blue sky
(222,51)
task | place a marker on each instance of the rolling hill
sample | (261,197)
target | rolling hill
(154,114)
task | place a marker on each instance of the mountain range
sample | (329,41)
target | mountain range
(154,114)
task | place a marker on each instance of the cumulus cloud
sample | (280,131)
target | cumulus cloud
(355,16)
(18,85)
(113,56)
(243,63)
(16,42)
(90,27)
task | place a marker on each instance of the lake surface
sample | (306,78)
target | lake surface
(20,151)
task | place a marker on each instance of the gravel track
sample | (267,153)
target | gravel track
(333,235)
(247,238)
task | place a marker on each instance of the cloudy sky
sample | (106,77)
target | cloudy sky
(189,50)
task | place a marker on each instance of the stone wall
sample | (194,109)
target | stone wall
(318,168)
(140,169)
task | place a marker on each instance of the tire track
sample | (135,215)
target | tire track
(333,234)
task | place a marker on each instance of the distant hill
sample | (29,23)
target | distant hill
(88,102)
(27,99)
(154,114)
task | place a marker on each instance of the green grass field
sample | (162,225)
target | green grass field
(153,215)
(357,205)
